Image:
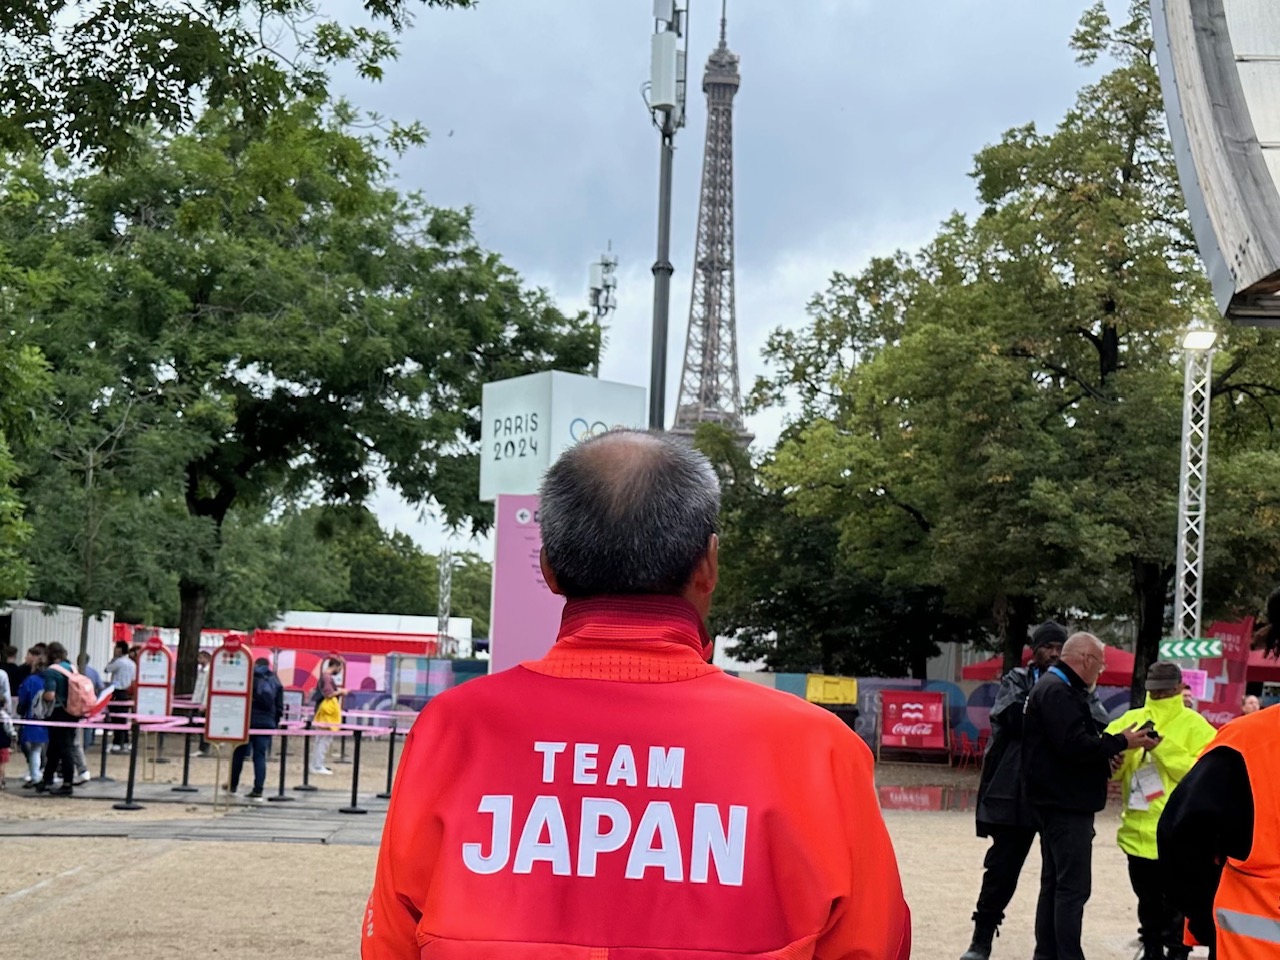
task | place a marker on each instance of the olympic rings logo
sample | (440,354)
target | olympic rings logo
(580,430)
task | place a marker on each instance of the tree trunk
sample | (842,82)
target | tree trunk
(195,601)
(919,665)
(83,655)
(1020,611)
(1151,592)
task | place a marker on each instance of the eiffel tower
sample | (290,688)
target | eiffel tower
(709,387)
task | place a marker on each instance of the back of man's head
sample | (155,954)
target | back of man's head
(56,652)
(262,662)
(628,512)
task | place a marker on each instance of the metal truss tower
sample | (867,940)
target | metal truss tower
(710,391)
(1196,397)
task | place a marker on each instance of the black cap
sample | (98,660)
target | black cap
(1048,632)
(1162,676)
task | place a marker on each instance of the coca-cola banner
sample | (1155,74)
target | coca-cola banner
(913,719)
(1228,671)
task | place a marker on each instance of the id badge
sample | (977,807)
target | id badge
(1147,780)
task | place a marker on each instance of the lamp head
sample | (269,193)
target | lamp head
(1199,339)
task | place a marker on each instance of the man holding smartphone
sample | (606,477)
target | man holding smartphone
(1066,764)
(1147,777)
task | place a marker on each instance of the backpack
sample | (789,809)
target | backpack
(81,698)
(317,695)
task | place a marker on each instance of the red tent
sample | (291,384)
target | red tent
(1262,669)
(1117,673)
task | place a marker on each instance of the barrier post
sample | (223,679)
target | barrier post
(305,786)
(127,803)
(391,760)
(355,781)
(342,751)
(102,765)
(281,796)
(185,786)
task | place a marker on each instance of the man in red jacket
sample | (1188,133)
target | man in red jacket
(621,798)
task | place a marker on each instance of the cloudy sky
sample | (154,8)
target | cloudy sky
(855,128)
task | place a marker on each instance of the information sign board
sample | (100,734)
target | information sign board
(230,692)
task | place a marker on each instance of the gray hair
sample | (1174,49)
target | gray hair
(628,512)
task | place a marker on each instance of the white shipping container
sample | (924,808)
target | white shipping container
(29,624)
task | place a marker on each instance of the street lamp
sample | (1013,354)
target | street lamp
(604,281)
(666,99)
(1197,345)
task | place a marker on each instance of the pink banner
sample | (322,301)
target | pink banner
(526,614)
(913,719)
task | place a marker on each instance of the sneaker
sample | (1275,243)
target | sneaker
(82,778)
(229,790)
(43,787)
(63,791)
(116,748)
(255,796)
(28,783)
(324,772)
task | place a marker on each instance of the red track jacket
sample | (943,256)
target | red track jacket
(622,799)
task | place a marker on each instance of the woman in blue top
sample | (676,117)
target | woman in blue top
(33,739)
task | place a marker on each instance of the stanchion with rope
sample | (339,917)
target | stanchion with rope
(128,803)
(102,765)
(281,796)
(355,781)
(391,761)
(306,785)
(185,786)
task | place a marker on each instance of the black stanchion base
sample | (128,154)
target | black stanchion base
(98,779)
(127,806)
(163,760)
(306,788)
(185,789)
(352,810)
(383,796)
(347,762)
(280,798)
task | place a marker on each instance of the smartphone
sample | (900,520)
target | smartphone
(1150,727)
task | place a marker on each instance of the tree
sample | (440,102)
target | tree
(998,415)
(90,76)
(23,382)
(789,597)
(304,328)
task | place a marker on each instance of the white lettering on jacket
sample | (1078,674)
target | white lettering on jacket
(652,847)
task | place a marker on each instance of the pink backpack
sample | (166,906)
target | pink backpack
(81,698)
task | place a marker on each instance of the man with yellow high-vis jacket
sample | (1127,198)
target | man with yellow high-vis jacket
(1147,778)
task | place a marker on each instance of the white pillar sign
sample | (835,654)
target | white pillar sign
(153,696)
(529,421)
(230,692)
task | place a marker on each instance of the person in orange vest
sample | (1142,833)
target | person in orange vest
(622,797)
(1219,838)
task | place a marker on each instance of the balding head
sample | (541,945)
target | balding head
(1086,655)
(628,512)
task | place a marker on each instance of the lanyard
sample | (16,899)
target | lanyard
(1060,675)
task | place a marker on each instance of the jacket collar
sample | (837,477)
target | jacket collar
(1073,678)
(636,619)
(645,639)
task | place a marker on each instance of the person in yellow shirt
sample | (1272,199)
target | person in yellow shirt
(1147,778)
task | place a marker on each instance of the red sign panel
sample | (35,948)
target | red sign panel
(913,719)
(1228,671)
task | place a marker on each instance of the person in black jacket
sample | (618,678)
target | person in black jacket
(265,713)
(1065,769)
(1003,814)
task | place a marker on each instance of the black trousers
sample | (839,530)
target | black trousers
(1159,924)
(1066,880)
(60,759)
(1000,871)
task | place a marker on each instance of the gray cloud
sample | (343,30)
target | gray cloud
(855,129)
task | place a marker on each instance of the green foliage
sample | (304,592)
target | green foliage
(291,325)
(87,76)
(996,418)
(788,597)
